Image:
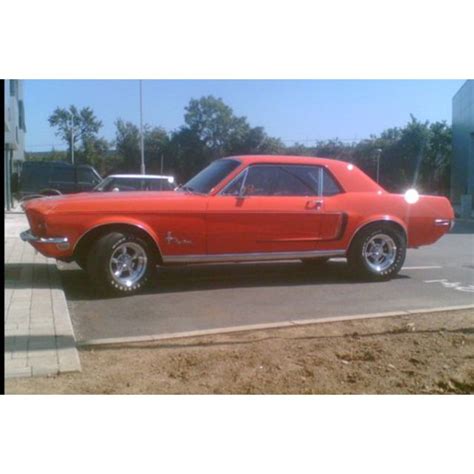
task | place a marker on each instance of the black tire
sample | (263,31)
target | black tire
(99,266)
(315,262)
(82,262)
(361,266)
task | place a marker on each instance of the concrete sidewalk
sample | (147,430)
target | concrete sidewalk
(39,338)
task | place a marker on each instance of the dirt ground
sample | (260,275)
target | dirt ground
(424,353)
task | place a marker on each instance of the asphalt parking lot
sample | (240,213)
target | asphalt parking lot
(202,297)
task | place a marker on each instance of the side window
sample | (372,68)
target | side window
(128,184)
(261,180)
(233,189)
(62,175)
(86,176)
(298,181)
(151,185)
(330,187)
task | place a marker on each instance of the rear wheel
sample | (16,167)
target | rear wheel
(377,252)
(121,263)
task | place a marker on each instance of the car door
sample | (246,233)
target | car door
(267,208)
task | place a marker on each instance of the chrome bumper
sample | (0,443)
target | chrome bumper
(444,223)
(27,236)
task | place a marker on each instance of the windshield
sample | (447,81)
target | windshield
(103,184)
(211,176)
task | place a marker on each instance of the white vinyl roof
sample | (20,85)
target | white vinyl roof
(148,176)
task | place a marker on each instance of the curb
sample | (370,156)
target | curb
(255,327)
(41,338)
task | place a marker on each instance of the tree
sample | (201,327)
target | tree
(215,124)
(253,140)
(73,125)
(156,143)
(298,149)
(418,154)
(127,141)
(94,151)
(437,166)
(186,154)
(211,131)
(53,155)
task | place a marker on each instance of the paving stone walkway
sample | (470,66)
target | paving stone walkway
(39,337)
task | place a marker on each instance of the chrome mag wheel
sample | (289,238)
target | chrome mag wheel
(379,252)
(128,263)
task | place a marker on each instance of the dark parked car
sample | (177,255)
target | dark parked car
(56,177)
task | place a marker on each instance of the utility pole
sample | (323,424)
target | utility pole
(161,172)
(142,144)
(72,139)
(379,152)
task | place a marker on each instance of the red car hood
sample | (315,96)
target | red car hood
(109,202)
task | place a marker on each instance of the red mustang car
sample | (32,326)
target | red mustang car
(242,208)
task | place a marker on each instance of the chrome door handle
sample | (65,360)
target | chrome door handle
(314,204)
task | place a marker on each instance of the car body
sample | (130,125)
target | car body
(244,208)
(56,177)
(136,182)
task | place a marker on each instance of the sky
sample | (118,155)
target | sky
(295,111)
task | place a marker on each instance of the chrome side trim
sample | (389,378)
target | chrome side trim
(442,222)
(27,236)
(249,257)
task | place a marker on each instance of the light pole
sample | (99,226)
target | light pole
(72,139)
(142,144)
(379,152)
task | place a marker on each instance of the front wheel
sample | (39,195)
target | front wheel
(377,252)
(82,262)
(121,263)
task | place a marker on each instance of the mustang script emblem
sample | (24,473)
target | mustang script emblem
(173,240)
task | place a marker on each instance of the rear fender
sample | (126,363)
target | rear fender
(380,218)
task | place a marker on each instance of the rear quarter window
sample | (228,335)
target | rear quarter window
(330,185)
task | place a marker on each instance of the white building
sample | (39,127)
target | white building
(15,129)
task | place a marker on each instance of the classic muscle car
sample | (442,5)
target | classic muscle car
(242,208)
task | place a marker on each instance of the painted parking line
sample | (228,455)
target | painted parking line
(454,285)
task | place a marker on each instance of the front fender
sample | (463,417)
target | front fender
(119,220)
